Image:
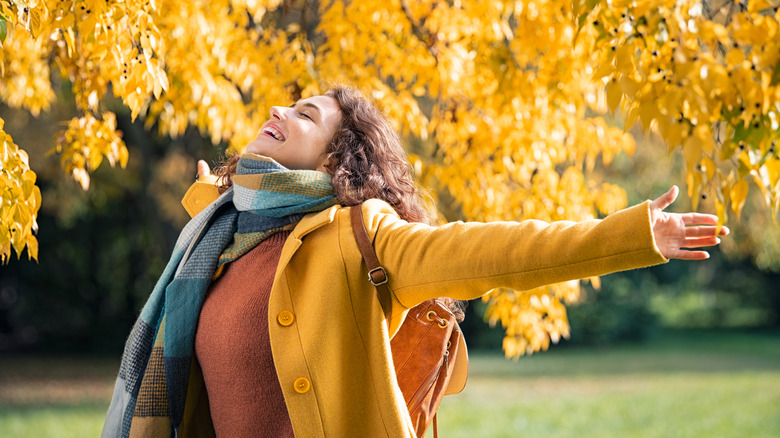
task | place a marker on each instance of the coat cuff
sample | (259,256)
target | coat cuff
(640,213)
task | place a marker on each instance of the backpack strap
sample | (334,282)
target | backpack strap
(376,273)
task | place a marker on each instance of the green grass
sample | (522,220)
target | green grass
(641,405)
(681,385)
(60,420)
(54,397)
(687,385)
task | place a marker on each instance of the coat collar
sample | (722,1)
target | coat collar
(306,225)
(317,220)
(311,222)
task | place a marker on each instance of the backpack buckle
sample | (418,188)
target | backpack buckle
(382,277)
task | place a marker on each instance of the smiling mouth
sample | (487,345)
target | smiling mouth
(273,131)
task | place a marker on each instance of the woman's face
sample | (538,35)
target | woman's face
(297,136)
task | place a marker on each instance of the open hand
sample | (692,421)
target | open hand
(675,231)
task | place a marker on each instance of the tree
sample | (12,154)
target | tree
(501,102)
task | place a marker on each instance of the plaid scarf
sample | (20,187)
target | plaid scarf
(151,388)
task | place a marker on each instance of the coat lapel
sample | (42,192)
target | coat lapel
(308,224)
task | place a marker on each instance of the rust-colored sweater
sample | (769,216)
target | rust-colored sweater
(234,351)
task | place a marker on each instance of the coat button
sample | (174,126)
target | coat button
(285,318)
(301,385)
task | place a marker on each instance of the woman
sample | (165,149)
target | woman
(263,323)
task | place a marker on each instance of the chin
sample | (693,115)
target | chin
(254,148)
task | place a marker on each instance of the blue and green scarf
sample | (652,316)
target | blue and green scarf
(151,388)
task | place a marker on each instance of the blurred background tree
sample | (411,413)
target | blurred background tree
(501,104)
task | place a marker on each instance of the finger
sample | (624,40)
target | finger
(666,199)
(692,255)
(703,231)
(698,242)
(699,219)
(203,168)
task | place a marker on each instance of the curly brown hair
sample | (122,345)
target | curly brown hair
(367,160)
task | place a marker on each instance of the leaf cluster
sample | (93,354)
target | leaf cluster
(20,201)
(705,76)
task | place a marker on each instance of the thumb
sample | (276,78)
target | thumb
(203,169)
(666,199)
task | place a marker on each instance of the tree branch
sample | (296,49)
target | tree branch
(425,37)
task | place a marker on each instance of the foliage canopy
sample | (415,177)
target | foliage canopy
(501,102)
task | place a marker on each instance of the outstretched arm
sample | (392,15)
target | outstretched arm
(673,232)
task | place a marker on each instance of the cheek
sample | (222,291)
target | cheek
(319,143)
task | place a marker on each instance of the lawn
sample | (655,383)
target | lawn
(54,397)
(681,385)
(685,385)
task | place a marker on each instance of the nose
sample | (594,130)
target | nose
(278,112)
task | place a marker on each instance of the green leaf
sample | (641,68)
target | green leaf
(581,20)
(775,74)
(740,132)
(3,29)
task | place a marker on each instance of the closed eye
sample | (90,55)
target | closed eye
(307,106)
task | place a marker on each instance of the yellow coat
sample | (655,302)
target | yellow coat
(330,344)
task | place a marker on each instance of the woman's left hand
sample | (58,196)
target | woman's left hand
(675,231)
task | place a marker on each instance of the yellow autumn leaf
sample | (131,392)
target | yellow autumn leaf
(32,247)
(761,184)
(647,113)
(693,181)
(734,57)
(772,166)
(692,150)
(720,212)
(738,196)
(758,5)
(708,167)
(629,86)
(614,95)
(633,114)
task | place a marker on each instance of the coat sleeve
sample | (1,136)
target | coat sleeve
(465,260)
